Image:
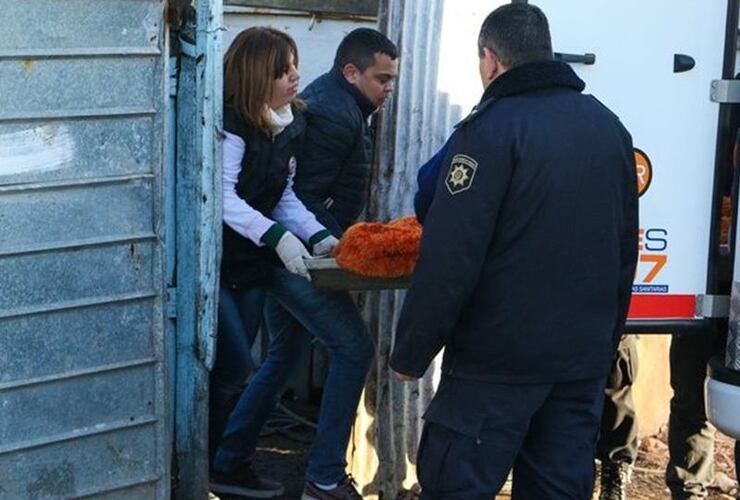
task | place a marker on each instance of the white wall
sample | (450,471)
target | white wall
(317,40)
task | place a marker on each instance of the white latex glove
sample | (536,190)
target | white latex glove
(291,251)
(325,246)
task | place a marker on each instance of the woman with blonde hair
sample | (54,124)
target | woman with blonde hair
(266,232)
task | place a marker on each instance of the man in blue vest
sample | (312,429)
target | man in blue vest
(525,273)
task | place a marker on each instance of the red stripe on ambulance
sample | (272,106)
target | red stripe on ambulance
(662,306)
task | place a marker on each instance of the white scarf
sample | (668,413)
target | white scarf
(280,118)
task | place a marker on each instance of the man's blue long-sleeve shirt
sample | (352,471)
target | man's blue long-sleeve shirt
(427,181)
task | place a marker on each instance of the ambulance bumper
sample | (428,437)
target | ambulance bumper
(722,397)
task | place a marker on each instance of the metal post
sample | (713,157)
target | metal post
(198,241)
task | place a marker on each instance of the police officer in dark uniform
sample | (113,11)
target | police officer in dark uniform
(618,438)
(527,259)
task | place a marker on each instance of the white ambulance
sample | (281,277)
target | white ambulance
(676,93)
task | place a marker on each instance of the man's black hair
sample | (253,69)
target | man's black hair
(360,46)
(517,33)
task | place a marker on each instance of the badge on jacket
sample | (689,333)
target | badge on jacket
(461,174)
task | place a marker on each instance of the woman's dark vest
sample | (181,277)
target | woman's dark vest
(261,182)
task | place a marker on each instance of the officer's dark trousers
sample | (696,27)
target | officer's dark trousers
(618,437)
(690,436)
(546,433)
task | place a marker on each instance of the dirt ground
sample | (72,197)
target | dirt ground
(282,453)
(284,459)
(648,478)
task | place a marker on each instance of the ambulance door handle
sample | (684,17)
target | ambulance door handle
(682,63)
(576,58)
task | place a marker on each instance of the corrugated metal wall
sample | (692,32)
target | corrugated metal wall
(415,124)
(82,386)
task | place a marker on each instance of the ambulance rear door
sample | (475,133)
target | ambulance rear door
(653,64)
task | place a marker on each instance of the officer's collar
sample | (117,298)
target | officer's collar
(366,106)
(533,76)
(528,78)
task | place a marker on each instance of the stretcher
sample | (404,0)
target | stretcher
(326,274)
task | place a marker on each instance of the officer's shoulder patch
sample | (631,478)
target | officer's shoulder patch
(461,174)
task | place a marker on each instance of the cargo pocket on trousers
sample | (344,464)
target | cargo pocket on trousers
(434,449)
(624,371)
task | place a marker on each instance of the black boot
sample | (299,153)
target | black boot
(244,481)
(615,476)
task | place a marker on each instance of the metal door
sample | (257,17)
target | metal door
(641,72)
(82,379)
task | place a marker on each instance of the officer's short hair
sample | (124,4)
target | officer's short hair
(360,46)
(517,33)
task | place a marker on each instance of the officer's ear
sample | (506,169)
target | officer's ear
(489,65)
(351,73)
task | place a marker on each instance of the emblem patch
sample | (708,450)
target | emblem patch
(462,172)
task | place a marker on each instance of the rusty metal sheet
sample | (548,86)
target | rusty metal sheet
(27,213)
(80,24)
(348,7)
(117,332)
(101,147)
(44,410)
(35,87)
(82,137)
(35,282)
(115,455)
